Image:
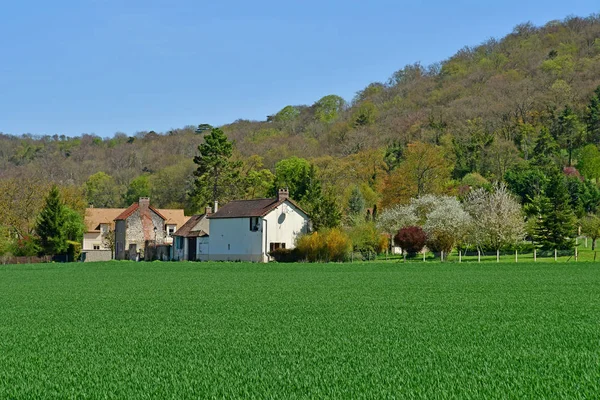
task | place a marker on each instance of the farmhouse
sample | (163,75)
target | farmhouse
(247,230)
(141,223)
(191,240)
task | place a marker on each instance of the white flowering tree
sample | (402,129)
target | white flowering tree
(445,221)
(392,219)
(497,217)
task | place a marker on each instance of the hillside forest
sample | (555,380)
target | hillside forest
(520,113)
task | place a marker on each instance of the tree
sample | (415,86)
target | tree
(555,220)
(394,218)
(50,225)
(569,131)
(101,190)
(545,150)
(139,187)
(423,171)
(356,203)
(592,117)
(411,239)
(294,174)
(590,227)
(328,108)
(589,162)
(497,217)
(74,225)
(217,176)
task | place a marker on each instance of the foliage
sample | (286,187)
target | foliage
(286,255)
(327,245)
(27,245)
(73,250)
(102,191)
(73,226)
(411,239)
(356,203)
(51,225)
(328,108)
(423,171)
(217,176)
(590,227)
(555,220)
(589,162)
(138,187)
(497,218)
(366,238)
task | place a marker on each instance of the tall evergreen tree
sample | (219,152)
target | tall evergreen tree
(217,176)
(592,119)
(545,150)
(555,225)
(569,132)
(356,202)
(50,225)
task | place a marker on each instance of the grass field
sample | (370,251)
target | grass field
(376,330)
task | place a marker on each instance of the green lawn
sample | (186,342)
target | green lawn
(229,330)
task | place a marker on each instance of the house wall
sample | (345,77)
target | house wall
(284,225)
(137,232)
(120,247)
(92,238)
(97,255)
(231,240)
(202,248)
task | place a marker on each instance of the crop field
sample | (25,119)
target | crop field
(362,330)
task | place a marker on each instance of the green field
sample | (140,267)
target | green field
(230,330)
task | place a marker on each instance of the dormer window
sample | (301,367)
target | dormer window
(254,224)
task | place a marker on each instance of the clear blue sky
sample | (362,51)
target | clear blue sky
(102,66)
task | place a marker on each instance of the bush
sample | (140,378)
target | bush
(327,245)
(412,239)
(286,255)
(73,250)
(26,247)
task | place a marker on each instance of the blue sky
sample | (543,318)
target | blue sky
(106,66)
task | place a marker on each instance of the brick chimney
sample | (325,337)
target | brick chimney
(208,210)
(144,203)
(283,194)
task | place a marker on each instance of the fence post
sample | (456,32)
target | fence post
(555,255)
(516,256)
(460,256)
(497,255)
(586,242)
(576,254)
(423,255)
(534,255)
(442,255)
(478,255)
(404,255)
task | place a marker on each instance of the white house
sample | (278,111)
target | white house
(247,230)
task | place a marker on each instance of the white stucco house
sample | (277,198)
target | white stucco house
(247,230)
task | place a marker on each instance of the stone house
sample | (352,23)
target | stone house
(141,223)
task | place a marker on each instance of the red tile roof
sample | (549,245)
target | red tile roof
(131,209)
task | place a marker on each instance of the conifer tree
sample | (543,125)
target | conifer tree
(593,117)
(217,176)
(50,225)
(356,202)
(555,225)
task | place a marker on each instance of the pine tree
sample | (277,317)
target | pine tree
(356,202)
(593,117)
(555,226)
(545,149)
(217,177)
(50,225)
(569,132)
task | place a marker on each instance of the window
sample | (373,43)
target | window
(254,224)
(274,246)
(228,247)
(170,230)
(96,247)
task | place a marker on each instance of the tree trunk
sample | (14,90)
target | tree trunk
(593,244)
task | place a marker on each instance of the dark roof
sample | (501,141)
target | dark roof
(131,209)
(250,208)
(186,229)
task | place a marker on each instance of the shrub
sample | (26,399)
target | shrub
(412,239)
(26,246)
(327,245)
(73,250)
(286,255)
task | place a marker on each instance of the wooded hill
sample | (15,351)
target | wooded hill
(478,114)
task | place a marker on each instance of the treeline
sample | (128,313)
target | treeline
(524,109)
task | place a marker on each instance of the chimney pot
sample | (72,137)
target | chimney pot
(208,210)
(216,206)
